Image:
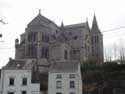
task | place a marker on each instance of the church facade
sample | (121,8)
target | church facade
(45,41)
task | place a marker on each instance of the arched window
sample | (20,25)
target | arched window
(32,36)
(65,54)
(92,38)
(45,52)
(45,38)
(32,51)
(97,39)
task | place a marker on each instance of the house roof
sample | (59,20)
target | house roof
(19,64)
(65,66)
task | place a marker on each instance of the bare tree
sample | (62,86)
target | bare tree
(121,51)
(115,49)
(108,55)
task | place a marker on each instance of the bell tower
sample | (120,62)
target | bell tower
(96,42)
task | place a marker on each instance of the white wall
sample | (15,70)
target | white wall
(65,83)
(18,87)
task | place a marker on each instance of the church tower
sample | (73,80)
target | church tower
(96,42)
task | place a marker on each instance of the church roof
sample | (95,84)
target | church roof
(76,25)
(40,20)
(65,66)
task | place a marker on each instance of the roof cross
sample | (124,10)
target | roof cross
(39,11)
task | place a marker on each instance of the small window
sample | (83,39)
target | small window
(11,81)
(58,84)
(24,81)
(24,92)
(58,93)
(72,84)
(71,75)
(10,92)
(72,93)
(58,76)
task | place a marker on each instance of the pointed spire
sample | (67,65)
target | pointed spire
(94,24)
(87,22)
(62,25)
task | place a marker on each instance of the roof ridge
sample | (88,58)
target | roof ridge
(76,24)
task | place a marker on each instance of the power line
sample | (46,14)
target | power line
(6,48)
(114,29)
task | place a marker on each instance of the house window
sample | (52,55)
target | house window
(58,93)
(71,75)
(24,81)
(72,93)
(11,81)
(10,92)
(72,84)
(23,92)
(65,54)
(58,84)
(58,76)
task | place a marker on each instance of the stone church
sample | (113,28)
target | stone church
(47,42)
(47,55)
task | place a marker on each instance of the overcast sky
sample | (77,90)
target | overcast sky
(110,14)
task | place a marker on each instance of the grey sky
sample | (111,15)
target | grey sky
(18,13)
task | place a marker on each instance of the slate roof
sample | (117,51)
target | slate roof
(76,25)
(40,20)
(19,64)
(65,66)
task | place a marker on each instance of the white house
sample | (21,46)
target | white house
(17,78)
(65,78)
